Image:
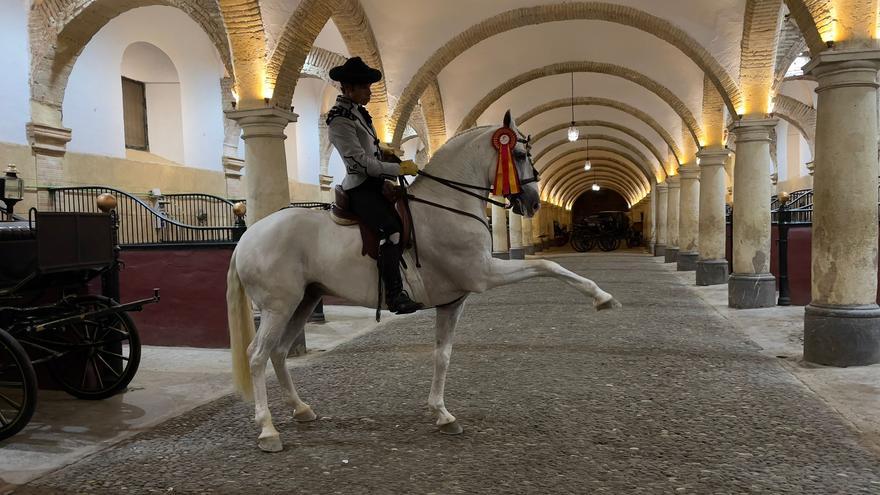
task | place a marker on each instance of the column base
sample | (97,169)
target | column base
(671,254)
(687,261)
(712,272)
(842,335)
(751,290)
(659,250)
(517,254)
(503,255)
(530,249)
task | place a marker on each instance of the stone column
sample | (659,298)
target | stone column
(267,184)
(842,322)
(528,243)
(500,248)
(712,268)
(662,204)
(689,218)
(752,285)
(517,252)
(672,214)
(537,230)
(49,145)
(232,168)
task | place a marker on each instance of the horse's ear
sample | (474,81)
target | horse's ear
(507,119)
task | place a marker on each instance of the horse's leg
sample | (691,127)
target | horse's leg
(503,272)
(266,341)
(302,412)
(447,318)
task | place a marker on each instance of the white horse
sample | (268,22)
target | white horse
(288,260)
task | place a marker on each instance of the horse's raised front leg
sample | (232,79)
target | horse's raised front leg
(447,318)
(503,272)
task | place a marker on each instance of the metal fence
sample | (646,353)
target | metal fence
(201,210)
(139,224)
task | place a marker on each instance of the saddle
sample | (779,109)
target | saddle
(342,215)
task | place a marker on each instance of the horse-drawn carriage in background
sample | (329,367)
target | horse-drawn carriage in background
(608,230)
(85,344)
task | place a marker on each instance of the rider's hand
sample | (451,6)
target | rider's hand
(409,167)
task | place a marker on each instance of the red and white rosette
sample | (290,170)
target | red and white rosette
(506,177)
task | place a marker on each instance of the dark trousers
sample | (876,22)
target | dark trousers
(368,202)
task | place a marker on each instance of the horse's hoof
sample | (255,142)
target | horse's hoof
(270,444)
(304,415)
(452,428)
(609,304)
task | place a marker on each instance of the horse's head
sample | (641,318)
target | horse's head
(527,201)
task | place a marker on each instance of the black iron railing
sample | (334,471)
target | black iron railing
(200,210)
(139,224)
(799,208)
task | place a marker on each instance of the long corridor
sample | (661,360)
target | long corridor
(662,396)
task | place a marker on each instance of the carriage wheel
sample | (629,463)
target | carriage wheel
(18,386)
(101,354)
(578,244)
(590,244)
(608,244)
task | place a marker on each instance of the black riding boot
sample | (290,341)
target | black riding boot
(396,298)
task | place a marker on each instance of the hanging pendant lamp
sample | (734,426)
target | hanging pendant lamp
(573,132)
(588,164)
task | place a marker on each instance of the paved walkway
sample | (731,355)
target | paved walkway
(664,396)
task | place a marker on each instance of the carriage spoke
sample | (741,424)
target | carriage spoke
(11,384)
(3,420)
(9,401)
(120,356)
(97,372)
(107,365)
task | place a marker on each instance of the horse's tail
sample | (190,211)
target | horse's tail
(241,331)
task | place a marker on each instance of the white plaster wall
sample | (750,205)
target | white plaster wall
(801,89)
(93,100)
(303,142)
(146,63)
(14,107)
(330,39)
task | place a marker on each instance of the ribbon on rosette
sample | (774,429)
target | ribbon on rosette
(506,176)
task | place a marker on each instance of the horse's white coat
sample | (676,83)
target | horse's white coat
(287,260)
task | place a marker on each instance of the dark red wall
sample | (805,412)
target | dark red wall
(192,311)
(592,202)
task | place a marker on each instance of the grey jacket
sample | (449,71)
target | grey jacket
(353,135)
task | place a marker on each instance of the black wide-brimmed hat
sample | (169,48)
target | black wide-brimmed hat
(355,71)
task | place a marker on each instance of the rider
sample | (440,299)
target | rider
(367,166)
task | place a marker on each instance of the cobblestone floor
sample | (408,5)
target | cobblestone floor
(660,397)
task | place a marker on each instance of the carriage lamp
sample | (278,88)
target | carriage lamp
(11,188)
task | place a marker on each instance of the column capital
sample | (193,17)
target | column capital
(663,187)
(689,173)
(674,182)
(232,166)
(713,157)
(843,68)
(326,181)
(262,122)
(753,130)
(48,140)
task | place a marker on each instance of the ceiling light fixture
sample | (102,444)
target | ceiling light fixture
(573,132)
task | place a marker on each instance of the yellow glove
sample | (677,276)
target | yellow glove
(408,167)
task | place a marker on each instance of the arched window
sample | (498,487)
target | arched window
(151,102)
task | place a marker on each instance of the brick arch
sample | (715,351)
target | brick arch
(796,113)
(286,61)
(584,186)
(576,188)
(565,172)
(60,30)
(319,62)
(641,159)
(814,19)
(601,123)
(560,168)
(758,56)
(636,77)
(605,102)
(527,16)
(625,162)
(431,104)
(564,191)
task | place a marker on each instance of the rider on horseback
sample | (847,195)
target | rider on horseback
(367,166)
